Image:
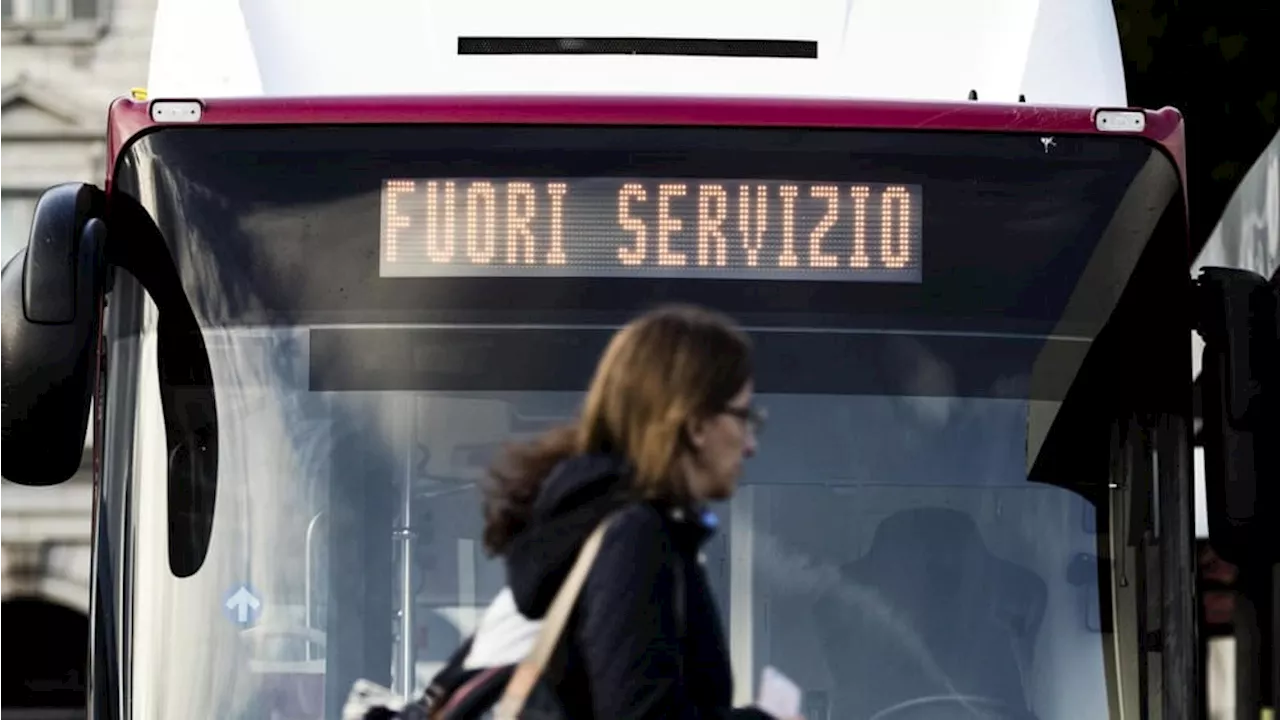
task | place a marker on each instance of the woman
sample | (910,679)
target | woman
(666,426)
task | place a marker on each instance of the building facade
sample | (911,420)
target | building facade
(63,62)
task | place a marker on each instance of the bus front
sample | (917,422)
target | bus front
(971,497)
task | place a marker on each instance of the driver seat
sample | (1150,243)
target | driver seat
(938,615)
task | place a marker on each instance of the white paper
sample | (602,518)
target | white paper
(779,696)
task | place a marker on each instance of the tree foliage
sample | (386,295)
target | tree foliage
(1219,63)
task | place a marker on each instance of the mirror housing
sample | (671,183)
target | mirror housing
(53,293)
(51,314)
(1240,400)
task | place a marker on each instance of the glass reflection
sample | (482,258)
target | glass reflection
(883,549)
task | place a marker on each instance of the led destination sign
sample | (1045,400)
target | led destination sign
(657,228)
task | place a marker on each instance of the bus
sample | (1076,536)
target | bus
(339,259)
(1241,591)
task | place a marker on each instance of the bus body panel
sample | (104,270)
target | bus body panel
(1050,51)
(128,118)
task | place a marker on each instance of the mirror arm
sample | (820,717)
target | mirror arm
(185,377)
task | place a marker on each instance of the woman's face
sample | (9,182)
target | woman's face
(721,442)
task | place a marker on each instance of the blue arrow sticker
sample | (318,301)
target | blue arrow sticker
(710,519)
(242,605)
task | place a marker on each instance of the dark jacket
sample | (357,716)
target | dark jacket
(624,659)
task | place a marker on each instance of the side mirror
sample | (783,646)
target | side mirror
(1240,397)
(52,302)
(52,294)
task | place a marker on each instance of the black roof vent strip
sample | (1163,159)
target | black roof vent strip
(802,49)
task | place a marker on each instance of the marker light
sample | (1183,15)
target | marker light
(176,111)
(139,94)
(1120,120)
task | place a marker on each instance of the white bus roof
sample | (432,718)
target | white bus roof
(1055,52)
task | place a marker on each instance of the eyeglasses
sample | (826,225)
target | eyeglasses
(754,417)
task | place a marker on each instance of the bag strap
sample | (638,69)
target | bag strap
(681,610)
(531,668)
(449,678)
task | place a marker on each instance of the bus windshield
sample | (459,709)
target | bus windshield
(384,307)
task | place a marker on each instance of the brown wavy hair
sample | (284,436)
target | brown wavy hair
(662,369)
